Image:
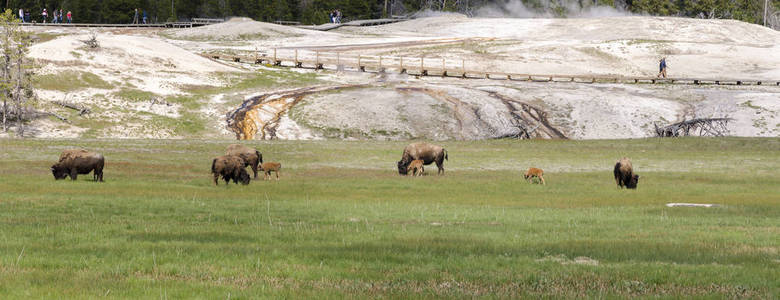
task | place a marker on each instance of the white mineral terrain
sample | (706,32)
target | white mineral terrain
(157,84)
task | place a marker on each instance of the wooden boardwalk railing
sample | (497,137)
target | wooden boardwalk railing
(422,66)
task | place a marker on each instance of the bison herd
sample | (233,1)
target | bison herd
(232,165)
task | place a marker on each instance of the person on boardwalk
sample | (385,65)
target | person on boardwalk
(60,16)
(135,17)
(144,16)
(21,14)
(662,67)
(54,16)
(69,17)
(45,15)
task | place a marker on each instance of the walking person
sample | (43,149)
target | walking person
(662,67)
(21,15)
(54,16)
(69,17)
(144,16)
(45,15)
(60,15)
(135,17)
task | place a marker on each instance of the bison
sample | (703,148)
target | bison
(416,168)
(534,172)
(229,167)
(77,161)
(423,151)
(624,174)
(270,167)
(251,157)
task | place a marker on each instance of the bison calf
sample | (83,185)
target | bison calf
(229,167)
(624,174)
(76,161)
(269,167)
(534,172)
(416,167)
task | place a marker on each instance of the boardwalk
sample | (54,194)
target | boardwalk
(331,26)
(195,22)
(421,66)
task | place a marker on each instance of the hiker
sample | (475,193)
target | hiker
(54,17)
(332,17)
(69,17)
(45,15)
(60,16)
(338,16)
(144,16)
(27,16)
(135,17)
(662,67)
(21,15)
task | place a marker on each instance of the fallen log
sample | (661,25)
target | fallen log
(81,109)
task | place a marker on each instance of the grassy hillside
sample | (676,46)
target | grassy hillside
(341,222)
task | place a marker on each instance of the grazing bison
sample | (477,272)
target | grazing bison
(251,157)
(423,151)
(269,167)
(76,161)
(416,168)
(624,174)
(534,172)
(229,167)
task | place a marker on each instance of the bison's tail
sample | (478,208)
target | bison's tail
(259,156)
(213,166)
(445,154)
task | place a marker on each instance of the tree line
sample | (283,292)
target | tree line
(316,11)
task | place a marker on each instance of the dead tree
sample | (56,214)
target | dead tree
(698,126)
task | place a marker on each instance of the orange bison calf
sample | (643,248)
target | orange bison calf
(229,167)
(76,161)
(423,151)
(416,167)
(251,156)
(624,174)
(534,172)
(269,167)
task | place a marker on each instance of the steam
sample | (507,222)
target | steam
(516,9)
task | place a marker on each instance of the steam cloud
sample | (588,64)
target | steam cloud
(516,9)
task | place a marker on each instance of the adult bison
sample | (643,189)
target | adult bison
(423,151)
(77,161)
(251,156)
(229,167)
(624,174)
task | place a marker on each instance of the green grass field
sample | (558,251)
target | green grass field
(342,223)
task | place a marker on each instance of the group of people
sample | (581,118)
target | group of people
(144,17)
(57,16)
(335,16)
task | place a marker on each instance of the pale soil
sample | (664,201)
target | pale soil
(166,63)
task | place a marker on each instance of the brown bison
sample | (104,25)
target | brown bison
(624,174)
(76,161)
(270,167)
(423,151)
(416,168)
(251,157)
(534,172)
(229,167)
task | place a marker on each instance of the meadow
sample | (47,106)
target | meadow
(342,223)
